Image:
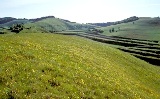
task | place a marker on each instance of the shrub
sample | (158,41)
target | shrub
(112,29)
(17,28)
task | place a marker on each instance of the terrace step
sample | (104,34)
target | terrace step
(145,42)
(151,60)
(146,50)
(143,53)
(111,41)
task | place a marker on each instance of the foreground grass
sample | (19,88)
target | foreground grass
(56,66)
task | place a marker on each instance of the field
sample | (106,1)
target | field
(148,50)
(144,28)
(140,38)
(41,65)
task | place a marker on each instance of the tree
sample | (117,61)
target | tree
(95,31)
(17,28)
(100,31)
(112,29)
(118,28)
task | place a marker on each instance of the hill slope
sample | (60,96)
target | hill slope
(44,24)
(6,19)
(9,21)
(54,25)
(144,28)
(130,19)
(143,35)
(55,66)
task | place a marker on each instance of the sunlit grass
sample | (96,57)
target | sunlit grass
(144,28)
(56,66)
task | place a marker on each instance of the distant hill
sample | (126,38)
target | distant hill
(44,24)
(144,28)
(9,21)
(6,19)
(130,19)
(52,24)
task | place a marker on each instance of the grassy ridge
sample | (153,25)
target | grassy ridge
(144,28)
(50,24)
(54,25)
(55,66)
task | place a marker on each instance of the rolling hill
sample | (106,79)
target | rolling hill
(9,21)
(130,19)
(144,31)
(43,65)
(54,25)
(44,24)
(145,28)
(140,38)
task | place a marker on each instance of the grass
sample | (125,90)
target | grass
(37,65)
(147,47)
(54,25)
(144,28)
(144,32)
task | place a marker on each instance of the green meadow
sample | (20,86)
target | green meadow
(145,28)
(44,66)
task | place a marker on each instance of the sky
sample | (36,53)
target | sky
(81,11)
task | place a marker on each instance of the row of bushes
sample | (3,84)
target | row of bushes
(95,31)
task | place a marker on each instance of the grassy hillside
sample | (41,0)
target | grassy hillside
(55,24)
(11,23)
(148,50)
(6,19)
(144,28)
(49,24)
(37,65)
(44,24)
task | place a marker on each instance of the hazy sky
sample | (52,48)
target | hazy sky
(82,11)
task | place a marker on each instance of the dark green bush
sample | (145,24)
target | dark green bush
(17,28)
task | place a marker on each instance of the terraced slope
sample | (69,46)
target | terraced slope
(147,50)
(37,65)
(141,38)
